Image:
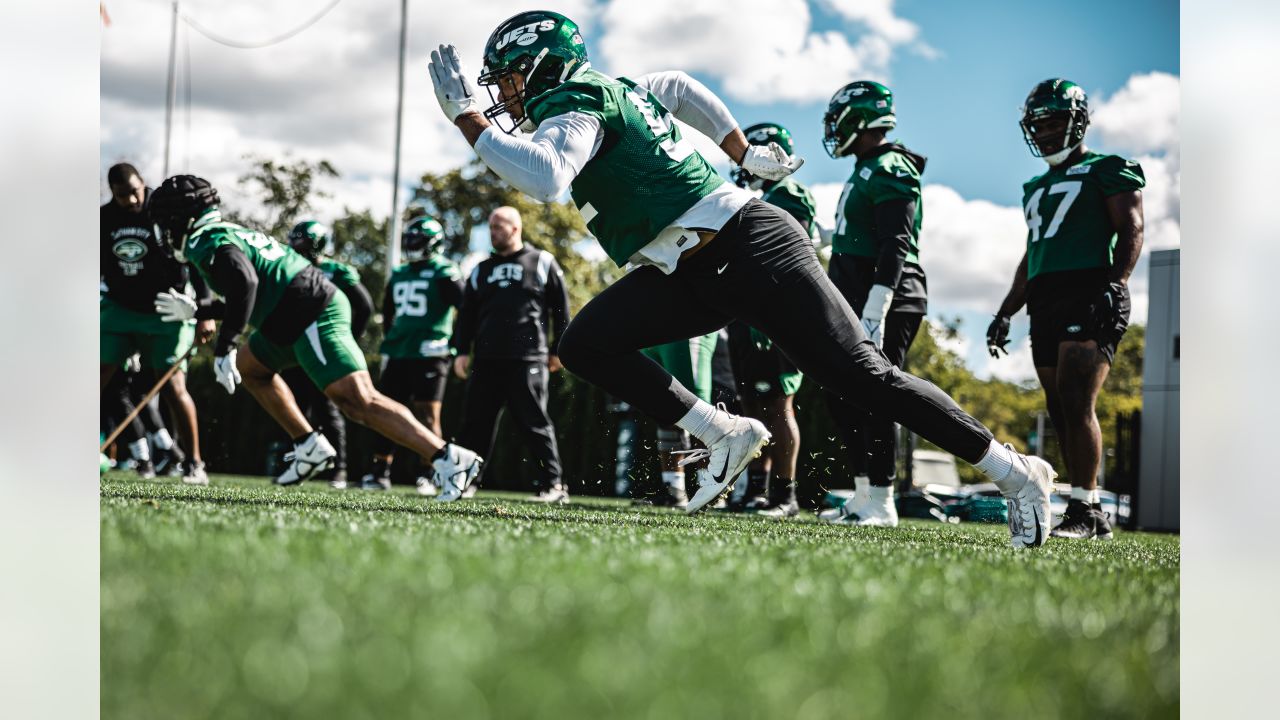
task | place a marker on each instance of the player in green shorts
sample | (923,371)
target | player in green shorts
(767,379)
(299,318)
(1084,236)
(314,241)
(688,361)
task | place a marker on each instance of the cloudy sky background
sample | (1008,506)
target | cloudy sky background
(959,72)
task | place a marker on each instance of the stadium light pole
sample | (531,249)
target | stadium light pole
(172,91)
(393,227)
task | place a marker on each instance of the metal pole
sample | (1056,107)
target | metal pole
(1039,448)
(173,79)
(393,227)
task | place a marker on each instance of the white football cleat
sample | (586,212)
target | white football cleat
(729,456)
(427,487)
(455,471)
(877,511)
(557,494)
(194,473)
(846,514)
(314,455)
(1029,487)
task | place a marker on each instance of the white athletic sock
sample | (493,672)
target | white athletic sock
(1089,496)
(997,464)
(860,485)
(140,450)
(161,439)
(705,422)
(673,479)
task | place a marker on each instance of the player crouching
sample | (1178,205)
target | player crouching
(299,318)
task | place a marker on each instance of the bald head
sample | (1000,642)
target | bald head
(504,230)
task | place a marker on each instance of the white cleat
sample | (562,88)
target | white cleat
(557,494)
(426,487)
(846,514)
(455,471)
(878,512)
(314,455)
(729,456)
(194,473)
(1030,485)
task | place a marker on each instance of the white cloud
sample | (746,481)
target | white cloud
(1141,117)
(969,248)
(783,61)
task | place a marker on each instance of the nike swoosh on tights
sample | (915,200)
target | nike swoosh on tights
(722,267)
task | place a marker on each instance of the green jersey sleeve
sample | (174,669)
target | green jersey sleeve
(892,177)
(587,98)
(1116,175)
(341,274)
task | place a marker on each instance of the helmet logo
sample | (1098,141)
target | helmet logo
(762,134)
(1075,92)
(525,34)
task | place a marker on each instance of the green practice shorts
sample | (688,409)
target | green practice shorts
(688,361)
(124,332)
(326,350)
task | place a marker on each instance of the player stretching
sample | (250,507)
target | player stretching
(710,252)
(300,318)
(1084,235)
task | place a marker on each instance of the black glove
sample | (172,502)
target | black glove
(998,336)
(1111,308)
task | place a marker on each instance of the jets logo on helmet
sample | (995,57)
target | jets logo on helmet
(421,237)
(1055,117)
(527,55)
(311,239)
(860,105)
(178,204)
(762,134)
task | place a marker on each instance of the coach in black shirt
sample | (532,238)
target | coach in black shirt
(511,300)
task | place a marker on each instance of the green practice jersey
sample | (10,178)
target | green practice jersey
(893,174)
(643,177)
(791,196)
(423,319)
(275,264)
(1068,227)
(339,273)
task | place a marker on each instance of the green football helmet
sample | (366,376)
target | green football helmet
(311,239)
(762,134)
(858,106)
(1054,119)
(544,47)
(422,236)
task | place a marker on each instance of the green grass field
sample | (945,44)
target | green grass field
(241,600)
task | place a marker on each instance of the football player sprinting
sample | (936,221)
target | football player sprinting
(314,241)
(767,379)
(418,309)
(1084,235)
(709,251)
(299,318)
(875,263)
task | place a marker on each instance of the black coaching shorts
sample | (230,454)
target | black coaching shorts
(1065,310)
(416,379)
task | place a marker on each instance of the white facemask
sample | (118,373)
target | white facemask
(1056,159)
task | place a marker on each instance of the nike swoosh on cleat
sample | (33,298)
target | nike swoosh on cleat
(721,269)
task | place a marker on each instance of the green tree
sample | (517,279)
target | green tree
(285,190)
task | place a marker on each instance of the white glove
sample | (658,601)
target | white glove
(453,89)
(224,370)
(770,161)
(175,307)
(133,363)
(878,302)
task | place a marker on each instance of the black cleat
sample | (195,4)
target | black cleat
(145,469)
(1083,521)
(169,462)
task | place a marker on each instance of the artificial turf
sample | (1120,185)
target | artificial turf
(242,600)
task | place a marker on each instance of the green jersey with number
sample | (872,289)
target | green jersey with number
(643,177)
(893,174)
(795,199)
(423,318)
(275,264)
(1068,226)
(339,273)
